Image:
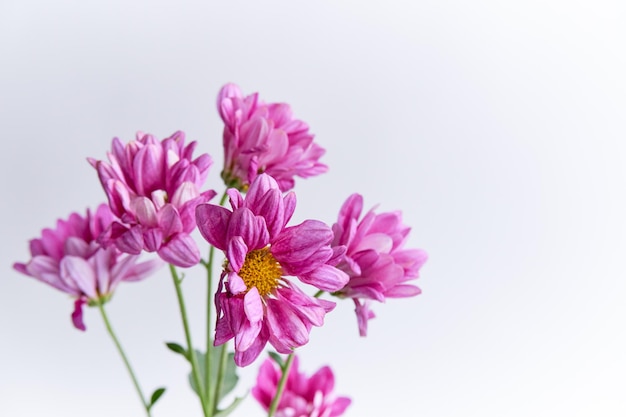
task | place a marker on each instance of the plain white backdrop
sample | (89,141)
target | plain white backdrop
(497,127)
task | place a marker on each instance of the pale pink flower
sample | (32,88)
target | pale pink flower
(255,302)
(375,259)
(70,259)
(260,137)
(303,396)
(154,188)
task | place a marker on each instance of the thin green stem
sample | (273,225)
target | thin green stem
(195,369)
(209,342)
(281,385)
(211,400)
(318,294)
(221,371)
(107,323)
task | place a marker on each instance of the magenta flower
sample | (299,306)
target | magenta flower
(255,302)
(261,137)
(302,396)
(154,188)
(70,259)
(375,259)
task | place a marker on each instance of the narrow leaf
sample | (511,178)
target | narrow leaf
(176,348)
(277,358)
(155,396)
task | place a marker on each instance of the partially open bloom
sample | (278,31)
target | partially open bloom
(375,259)
(302,396)
(255,302)
(70,259)
(154,188)
(260,137)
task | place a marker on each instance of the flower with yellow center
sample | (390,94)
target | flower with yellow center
(255,301)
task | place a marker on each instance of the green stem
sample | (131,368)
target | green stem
(319,294)
(209,343)
(195,369)
(107,323)
(221,371)
(211,400)
(281,385)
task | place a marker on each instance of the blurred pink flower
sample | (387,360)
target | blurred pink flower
(261,137)
(255,302)
(154,188)
(302,396)
(70,259)
(375,259)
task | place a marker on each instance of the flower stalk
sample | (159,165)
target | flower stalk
(191,355)
(212,398)
(129,368)
(281,385)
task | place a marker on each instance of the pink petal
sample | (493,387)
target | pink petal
(169,221)
(81,272)
(152,239)
(271,207)
(259,187)
(253,306)
(235,198)
(129,240)
(250,227)
(144,211)
(290,206)
(148,169)
(379,242)
(180,251)
(236,252)
(213,224)
(236,284)
(301,242)
(327,278)
(77,314)
(339,406)
(248,356)
(363,315)
(401,291)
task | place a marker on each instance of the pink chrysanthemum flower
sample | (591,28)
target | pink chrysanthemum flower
(261,137)
(375,259)
(154,188)
(70,259)
(302,396)
(255,302)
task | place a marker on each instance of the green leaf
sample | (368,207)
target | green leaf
(230,372)
(230,408)
(277,358)
(176,348)
(155,396)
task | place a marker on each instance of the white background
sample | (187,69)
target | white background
(496,126)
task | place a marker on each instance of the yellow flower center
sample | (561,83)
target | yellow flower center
(261,270)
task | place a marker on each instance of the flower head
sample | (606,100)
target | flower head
(303,396)
(261,137)
(154,188)
(375,258)
(70,259)
(255,301)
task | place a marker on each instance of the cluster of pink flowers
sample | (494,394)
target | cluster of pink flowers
(155,202)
